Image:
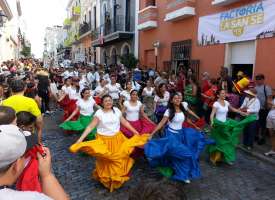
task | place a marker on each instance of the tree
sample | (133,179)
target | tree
(129,60)
(26,51)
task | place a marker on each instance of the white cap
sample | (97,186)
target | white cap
(13,144)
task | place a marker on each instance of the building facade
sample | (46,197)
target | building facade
(115,34)
(54,38)
(10,33)
(171,33)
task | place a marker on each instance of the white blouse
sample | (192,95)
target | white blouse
(148,92)
(86,107)
(221,113)
(178,119)
(253,106)
(126,95)
(73,94)
(114,90)
(132,112)
(162,101)
(109,122)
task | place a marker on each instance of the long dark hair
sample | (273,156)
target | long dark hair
(83,91)
(158,92)
(171,107)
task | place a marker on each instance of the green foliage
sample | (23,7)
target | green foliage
(26,51)
(129,60)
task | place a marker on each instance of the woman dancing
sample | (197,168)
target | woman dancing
(85,105)
(177,153)
(135,115)
(225,131)
(161,101)
(111,148)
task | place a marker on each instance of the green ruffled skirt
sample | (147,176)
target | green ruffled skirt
(226,135)
(79,126)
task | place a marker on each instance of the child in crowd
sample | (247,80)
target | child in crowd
(7,115)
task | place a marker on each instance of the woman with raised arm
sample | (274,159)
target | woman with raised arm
(135,115)
(225,131)
(85,105)
(111,148)
(177,153)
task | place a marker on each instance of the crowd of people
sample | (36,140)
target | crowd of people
(123,114)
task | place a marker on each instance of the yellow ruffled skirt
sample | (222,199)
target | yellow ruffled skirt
(113,161)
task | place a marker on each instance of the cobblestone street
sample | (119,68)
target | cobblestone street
(248,179)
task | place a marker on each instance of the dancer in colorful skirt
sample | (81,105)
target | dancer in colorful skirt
(85,106)
(64,100)
(135,115)
(100,91)
(161,101)
(178,151)
(225,131)
(111,148)
(114,89)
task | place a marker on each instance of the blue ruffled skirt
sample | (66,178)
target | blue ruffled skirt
(178,150)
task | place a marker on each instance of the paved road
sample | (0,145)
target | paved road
(248,179)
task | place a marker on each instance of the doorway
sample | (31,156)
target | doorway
(247,69)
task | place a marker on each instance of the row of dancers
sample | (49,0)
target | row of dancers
(117,131)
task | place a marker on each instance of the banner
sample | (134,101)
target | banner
(249,22)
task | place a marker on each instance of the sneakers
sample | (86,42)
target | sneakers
(187,181)
(270,153)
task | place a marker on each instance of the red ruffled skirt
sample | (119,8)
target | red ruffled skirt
(68,105)
(143,126)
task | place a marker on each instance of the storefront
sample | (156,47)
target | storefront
(238,35)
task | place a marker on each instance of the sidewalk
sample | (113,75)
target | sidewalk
(258,152)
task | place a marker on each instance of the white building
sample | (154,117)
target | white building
(10,22)
(54,38)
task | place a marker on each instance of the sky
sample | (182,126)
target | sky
(39,14)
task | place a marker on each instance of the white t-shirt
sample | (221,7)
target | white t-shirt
(126,95)
(253,106)
(178,119)
(98,90)
(148,92)
(162,101)
(53,88)
(136,85)
(9,194)
(86,107)
(271,113)
(114,90)
(73,94)
(66,89)
(222,111)
(132,112)
(109,122)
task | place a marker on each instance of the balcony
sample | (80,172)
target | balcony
(113,30)
(67,23)
(148,18)
(179,9)
(76,11)
(223,2)
(84,29)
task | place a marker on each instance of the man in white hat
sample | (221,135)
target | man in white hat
(13,146)
(251,106)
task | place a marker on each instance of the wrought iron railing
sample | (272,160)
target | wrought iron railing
(84,28)
(112,25)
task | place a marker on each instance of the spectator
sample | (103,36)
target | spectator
(13,146)
(205,82)
(264,93)
(7,115)
(21,103)
(251,106)
(270,124)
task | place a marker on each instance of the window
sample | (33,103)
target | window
(150,3)
(95,17)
